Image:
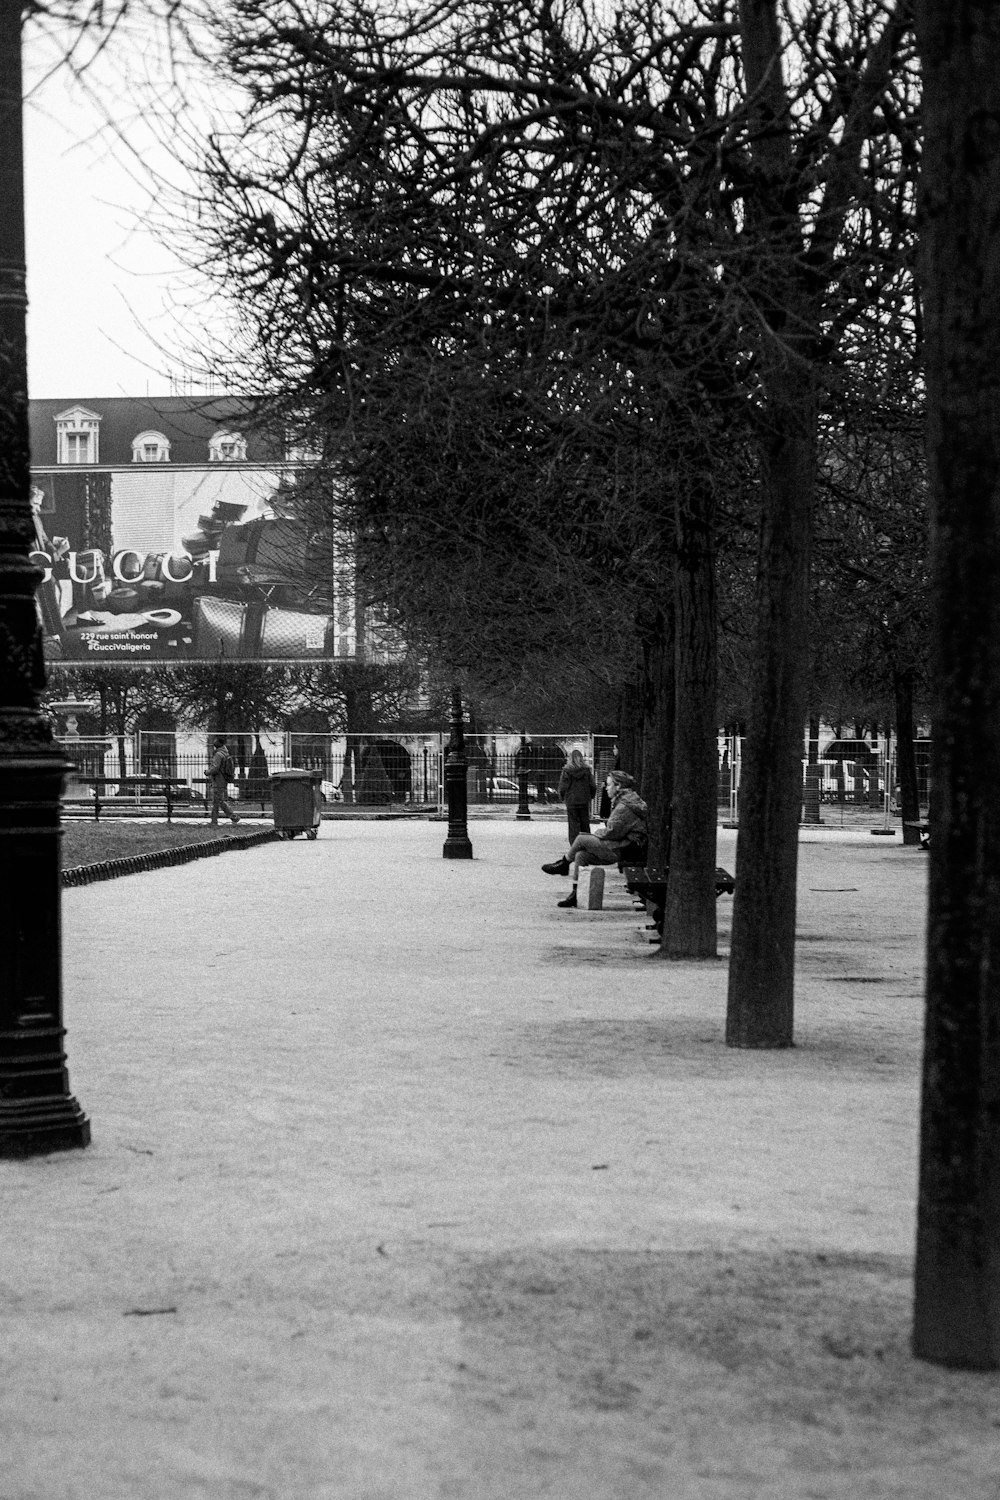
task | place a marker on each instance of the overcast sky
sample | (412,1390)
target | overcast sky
(103,292)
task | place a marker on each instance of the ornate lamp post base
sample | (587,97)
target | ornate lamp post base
(42,1125)
(523,814)
(457,847)
(37,1112)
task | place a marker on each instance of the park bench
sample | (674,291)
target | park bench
(633,854)
(147,791)
(924,829)
(261,793)
(649,886)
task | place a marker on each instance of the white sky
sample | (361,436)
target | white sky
(106,299)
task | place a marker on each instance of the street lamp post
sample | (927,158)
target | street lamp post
(37,1112)
(523,814)
(456,786)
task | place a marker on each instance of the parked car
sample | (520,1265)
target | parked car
(505,789)
(185,793)
(856,776)
(154,786)
(502,789)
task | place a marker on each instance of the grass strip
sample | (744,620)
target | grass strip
(157,859)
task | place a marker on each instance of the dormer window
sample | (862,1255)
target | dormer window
(150,448)
(227,448)
(78,436)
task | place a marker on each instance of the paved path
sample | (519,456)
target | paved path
(355,1107)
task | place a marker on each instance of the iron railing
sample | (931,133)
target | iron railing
(406,769)
(403,769)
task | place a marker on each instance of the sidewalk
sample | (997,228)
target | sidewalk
(405,1183)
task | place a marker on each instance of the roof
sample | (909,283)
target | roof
(186,421)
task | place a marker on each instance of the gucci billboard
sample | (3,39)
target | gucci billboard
(184,565)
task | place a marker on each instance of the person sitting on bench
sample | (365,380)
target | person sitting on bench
(625,829)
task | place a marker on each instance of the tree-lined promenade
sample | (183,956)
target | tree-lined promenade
(583,316)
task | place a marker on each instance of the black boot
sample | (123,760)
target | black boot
(570,899)
(558,867)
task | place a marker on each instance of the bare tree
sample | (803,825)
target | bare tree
(810,187)
(716,188)
(506,252)
(233,696)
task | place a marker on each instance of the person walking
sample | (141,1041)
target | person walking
(624,835)
(220,774)
(577,788)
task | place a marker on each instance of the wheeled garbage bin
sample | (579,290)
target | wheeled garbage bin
(295,802)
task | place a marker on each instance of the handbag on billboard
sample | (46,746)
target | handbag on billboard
(295,633)
(123,601)
(265,551)
(226,627)
(217,627)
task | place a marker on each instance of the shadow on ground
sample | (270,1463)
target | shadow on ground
(722,1374)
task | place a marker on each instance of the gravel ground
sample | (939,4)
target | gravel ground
(405,1183)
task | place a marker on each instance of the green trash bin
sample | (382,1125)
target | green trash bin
(295,802)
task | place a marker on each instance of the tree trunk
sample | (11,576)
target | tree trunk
(352,767)
(629,737)
(812,795)
(761,972)
(689,928)
(656,786)
(122,763)
(359,720)
(812,752)
(957,1303)
(760,1007)
(221,702)
(906,758)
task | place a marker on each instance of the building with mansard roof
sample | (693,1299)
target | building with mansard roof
(109,432)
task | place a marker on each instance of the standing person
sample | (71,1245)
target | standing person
(624,836)
(220,773)
(577,788)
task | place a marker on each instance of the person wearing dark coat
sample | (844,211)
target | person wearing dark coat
(220,773)
(577,788)
(624,832)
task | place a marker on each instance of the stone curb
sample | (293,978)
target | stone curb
(135,864)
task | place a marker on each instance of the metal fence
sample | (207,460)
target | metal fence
(845,788)
(407,769)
